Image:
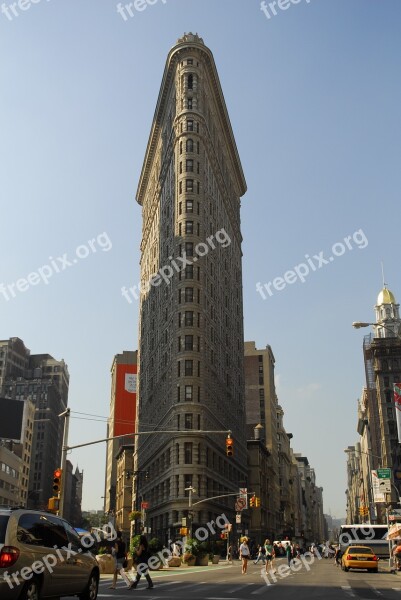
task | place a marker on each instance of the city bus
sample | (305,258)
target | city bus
(365,534)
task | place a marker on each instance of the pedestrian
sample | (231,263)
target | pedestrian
(175,549)
(143,555)
(337,557)
(119,554)
(244,555)
(288,551)
(261,555)
(270,555)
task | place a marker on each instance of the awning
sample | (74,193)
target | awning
(394,531)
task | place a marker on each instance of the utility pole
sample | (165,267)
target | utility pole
(66,415)
(191,490)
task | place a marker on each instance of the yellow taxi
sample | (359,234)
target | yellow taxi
(359,557)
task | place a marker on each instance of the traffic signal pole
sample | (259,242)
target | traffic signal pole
(66,415)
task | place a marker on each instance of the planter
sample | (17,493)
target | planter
(190,561)
(106,563)
(174,562)
(215,559)
(202,561)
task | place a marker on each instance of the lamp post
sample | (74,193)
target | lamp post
(191,490)
(361,324)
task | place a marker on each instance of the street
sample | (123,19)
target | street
(323,580)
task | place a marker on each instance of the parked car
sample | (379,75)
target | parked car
(359,557)
(41,556)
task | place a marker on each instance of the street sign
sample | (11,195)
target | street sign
(238,518)
(378,494)
(240,504)
(145,505)
(385,486)
(243,494)
(384,473)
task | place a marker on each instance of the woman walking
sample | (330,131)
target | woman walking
(270,555)
(119,554)
(142,553)
(244,555)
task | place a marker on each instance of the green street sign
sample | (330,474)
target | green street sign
(384,473)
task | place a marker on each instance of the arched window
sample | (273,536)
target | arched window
(190,145)
(190,82)
(180,147)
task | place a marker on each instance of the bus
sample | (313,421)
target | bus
(365,534)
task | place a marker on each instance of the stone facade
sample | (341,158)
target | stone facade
(191,320)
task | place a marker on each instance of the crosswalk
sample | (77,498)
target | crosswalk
(233,589)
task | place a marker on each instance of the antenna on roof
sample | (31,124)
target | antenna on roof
(384,283)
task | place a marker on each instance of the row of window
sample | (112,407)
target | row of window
(188,368)
(189,166)
(188,393)
(186,342)
(189,146)
(187,295)
(189,186)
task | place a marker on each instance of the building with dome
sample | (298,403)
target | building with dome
(378,445)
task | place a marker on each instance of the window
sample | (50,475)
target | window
(189,165)
(189,272)
(188,453)
(189,342)
(180,147)
(189,248)
(190,125)
(189,367)
(180,208)
(197,187)
(190,145)
(180,167)
(188,421)
(177,460)
(190,61)
(189,226)
(189,318)
(189,103)
(189,185)
(39,530)
(190,82)
(188,393)
(189,294)
(178,368)
(189,206)
(178,394)
(187,483)
(180,188)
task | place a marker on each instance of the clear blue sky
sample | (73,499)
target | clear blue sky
(314,97)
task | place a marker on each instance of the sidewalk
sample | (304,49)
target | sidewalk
(170,570)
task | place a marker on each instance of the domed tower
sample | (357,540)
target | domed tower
(387,315)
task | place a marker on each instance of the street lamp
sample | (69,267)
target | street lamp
(191,491)
(360,324)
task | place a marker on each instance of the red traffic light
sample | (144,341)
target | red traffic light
(57,476)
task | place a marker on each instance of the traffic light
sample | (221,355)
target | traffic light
(183,531)
(257,502)
(57,480)
(252,501)
(229,446)
(53,505)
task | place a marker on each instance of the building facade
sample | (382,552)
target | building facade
(191,314)
(44,381)
(122,418)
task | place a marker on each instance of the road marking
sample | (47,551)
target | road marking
(376,591)
(262,589)
(348,590)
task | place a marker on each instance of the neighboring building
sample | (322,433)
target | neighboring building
(378,445)
(259,475)
(10,476)
(16,432)
(191,323)
(122,418)
(73,482)
(44,381)
(124,460)
(261,408)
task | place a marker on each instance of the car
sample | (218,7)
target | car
(359,557)
(42,556)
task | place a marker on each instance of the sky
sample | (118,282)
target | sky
(314,98)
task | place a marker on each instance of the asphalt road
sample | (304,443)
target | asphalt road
(323,581)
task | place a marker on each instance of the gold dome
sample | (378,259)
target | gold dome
(385,297)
